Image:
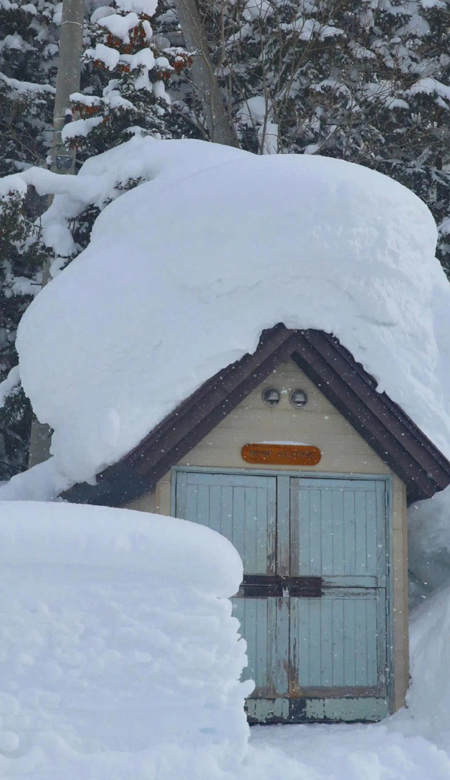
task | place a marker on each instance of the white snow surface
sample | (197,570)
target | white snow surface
(120,657)
(120,26)
(120,661)
(147,7)
(8,384)
(429,543)
(429,695)
(185,271)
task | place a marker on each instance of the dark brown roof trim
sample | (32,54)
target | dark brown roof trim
(381,422)
(388,430)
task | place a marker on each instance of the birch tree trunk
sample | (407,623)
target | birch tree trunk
(219,122)
(63,159)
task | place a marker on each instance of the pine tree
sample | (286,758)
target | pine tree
(127,69)
(124,78)
(362,80)
(128,74)
(28,51)
(21,259)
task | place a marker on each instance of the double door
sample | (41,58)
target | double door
(312,606)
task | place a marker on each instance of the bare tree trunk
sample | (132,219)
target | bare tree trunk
(63,159)
(219,122)
(67,80)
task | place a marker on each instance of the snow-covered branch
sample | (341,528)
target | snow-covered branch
(9,384)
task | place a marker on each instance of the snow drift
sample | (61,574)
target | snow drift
(120,662)
(185,271)
(429,696)
(120,657)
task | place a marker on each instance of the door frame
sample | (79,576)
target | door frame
(386,478)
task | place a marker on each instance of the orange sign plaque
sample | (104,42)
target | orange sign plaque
(282,454)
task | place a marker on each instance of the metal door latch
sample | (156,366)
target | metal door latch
(260,586)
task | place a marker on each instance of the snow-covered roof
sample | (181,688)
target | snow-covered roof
(185,271)
(381,422)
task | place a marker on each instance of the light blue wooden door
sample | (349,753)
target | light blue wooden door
(243,508)
(312,606)
(338,641)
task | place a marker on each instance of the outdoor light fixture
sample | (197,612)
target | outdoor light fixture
(298,399)
(270,396)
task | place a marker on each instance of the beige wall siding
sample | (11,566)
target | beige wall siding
(344,451)
(318,423)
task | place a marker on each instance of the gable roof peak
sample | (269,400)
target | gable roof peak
(332,368)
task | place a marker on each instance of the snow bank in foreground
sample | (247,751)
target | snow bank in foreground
(185,271)
(120,662)
(120,658)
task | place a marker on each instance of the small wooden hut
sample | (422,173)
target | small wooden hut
(294,456)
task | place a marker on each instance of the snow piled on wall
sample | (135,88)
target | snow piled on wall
(120,657)
(185,271)
(429,545)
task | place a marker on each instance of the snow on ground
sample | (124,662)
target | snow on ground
(185,271)
(120,661)
(342,752)
(119,655)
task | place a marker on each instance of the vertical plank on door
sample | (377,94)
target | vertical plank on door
(326,642)
(238,529)
(315,533)
(251,521)
(349,641)
(279,642)
(326,532)
(337,542)
(337,610)
(226,510)
(286,541)
(349,532)
(304,532)
(381,499)
(362,521)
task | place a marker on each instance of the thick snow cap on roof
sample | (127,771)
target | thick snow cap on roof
(185,271)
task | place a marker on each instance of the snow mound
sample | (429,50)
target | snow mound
(429,544)
(429,695)
(120,661)
(185,271)
(120,657)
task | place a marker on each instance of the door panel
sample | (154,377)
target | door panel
(265,626)
(338,641)
(338,528)
(244,510)
(241,508)
(335,642)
